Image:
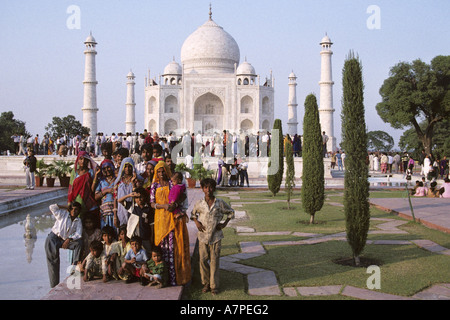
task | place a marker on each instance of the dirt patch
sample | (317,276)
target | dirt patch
(306,222)
(364,262)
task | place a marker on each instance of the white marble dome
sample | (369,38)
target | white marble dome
(90,39)
(245,68)
(326,39)
(210,49)
(172,68)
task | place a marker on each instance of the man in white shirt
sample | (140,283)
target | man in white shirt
(66,233)
(390,162)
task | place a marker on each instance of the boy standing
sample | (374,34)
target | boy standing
(207,215)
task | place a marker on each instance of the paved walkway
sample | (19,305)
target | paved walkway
(262,282)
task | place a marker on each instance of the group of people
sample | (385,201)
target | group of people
(430,167)
(126,219)
(423,188)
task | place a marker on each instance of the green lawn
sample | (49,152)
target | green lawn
(405,269)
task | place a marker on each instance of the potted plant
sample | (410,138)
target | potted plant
(63,170)
(200,173)
(39,174)
(50,174)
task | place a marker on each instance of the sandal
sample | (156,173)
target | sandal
(214,292)
(206,288)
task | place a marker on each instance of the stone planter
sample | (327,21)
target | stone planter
(64,181)
(50,182)
(191,182)
(39,181)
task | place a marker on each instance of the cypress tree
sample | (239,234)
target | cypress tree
(276,164)
(354,143)
(290,171)
(313,183)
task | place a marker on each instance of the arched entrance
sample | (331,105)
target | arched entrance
(169,126)
(208,110)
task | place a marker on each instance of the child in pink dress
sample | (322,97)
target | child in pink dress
(177,193)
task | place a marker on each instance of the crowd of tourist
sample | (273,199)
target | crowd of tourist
(126,219)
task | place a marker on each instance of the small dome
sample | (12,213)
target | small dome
(130,74)
(172,68)
(326,39)
(292,75)
(245,68)
(90,39)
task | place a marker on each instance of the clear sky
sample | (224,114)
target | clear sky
(42,60)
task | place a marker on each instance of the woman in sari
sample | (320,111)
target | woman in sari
(148,174)
(80,186)
(125,182)
(170,234)
(104,192)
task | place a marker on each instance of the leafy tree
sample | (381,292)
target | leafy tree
(8,127)
(68,125)
(380,141)
(354,136)
(441,140)
(313,182)
(416,92)
(276,161)
(290,171)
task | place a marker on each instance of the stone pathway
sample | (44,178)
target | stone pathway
(263,282)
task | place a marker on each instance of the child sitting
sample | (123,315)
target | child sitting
(109,237)
(433,192)
(96,265)
(155,270)
(177,194)
(421,191)
(90,233)
(134,259)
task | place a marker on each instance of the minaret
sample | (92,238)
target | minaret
(90,88)
(292,106)
(326,83)
(130,123)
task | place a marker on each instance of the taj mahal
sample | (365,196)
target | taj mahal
(210,90)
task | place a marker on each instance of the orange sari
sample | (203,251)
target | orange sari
(164,224)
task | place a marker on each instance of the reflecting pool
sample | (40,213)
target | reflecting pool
(24,267)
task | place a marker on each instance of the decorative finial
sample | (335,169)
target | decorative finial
(210,12)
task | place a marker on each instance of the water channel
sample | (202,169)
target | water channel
(24,266)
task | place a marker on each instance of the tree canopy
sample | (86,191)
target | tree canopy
(68,125)
(441,140)
(417,92)
(8,127)
(380,141)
